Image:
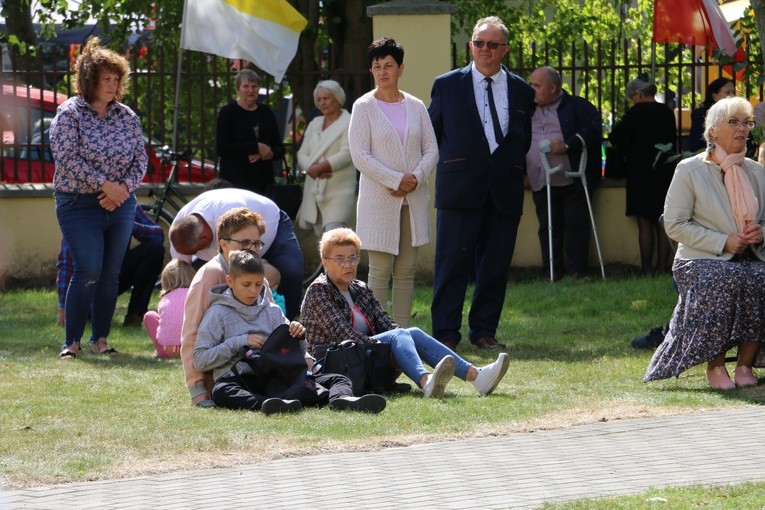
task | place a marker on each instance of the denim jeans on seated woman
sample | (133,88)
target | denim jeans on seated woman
(411,347)
(98,240)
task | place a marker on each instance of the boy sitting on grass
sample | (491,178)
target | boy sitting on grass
(240,318)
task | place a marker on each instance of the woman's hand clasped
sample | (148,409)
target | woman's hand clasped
(265,152)
(408,184)
(112,195)
(320,170)
(753,234)
(738,243)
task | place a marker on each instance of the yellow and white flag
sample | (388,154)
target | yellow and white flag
(265,32)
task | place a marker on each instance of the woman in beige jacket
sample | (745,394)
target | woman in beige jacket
(715,210)
(394,147)
(325,158)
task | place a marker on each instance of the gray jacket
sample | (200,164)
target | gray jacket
(222,337)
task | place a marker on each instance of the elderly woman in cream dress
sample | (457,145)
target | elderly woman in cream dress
(330,182)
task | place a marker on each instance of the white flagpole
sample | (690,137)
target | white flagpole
(178,79)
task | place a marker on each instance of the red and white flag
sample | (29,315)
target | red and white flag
(698,22)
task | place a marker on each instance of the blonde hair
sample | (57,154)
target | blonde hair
(176,274)
(338,237)
(273,275)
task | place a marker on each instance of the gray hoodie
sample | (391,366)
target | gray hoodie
(222,335)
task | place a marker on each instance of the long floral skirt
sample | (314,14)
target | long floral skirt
(721,305)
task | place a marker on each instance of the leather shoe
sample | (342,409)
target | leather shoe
(133,319)
(451,344)
(488,342)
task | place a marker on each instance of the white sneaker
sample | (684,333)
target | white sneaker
(442,372)
(490,375)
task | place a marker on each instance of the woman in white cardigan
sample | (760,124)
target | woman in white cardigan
(325,158)
(394,147)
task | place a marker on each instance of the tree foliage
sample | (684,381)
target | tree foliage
(566,33)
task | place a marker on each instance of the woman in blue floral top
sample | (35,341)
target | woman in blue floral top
(100,160)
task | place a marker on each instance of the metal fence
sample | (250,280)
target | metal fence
(600,73)
(597,72)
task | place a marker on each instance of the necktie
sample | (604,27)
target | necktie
(494,117)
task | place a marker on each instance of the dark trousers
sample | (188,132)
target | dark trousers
(285,255)
(243,392)
(480,242)
(571,228)
(140,269)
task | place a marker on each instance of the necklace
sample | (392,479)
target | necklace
(399,97)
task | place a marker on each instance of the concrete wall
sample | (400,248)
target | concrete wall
(30,236)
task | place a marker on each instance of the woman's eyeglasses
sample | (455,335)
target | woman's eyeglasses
(246,244)
(489,44)
(735,123)
(352,261)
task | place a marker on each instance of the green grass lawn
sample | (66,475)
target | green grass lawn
(106,417)
(732,497)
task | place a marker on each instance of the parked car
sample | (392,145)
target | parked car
(25,155)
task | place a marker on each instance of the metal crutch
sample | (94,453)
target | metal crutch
(544,149)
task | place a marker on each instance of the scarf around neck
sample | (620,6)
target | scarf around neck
(743,201)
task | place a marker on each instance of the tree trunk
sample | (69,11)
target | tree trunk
(18,21)
(350,31)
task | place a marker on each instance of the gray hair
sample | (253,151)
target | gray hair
(333,88)
(721,111)
(642,84)
(492,21)
(552,75)
(247,75)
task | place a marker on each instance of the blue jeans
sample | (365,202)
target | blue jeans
(98,240)
(412,346)
(285,255)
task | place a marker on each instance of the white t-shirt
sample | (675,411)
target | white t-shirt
(211,205)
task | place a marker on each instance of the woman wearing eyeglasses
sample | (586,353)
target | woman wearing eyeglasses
(715,210)
(647,124)
(238,229)
(337,306)
(394,148)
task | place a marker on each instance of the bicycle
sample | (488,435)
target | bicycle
(169,194)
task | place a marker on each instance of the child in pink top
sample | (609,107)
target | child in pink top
(164,325)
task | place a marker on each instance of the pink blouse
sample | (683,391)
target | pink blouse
(171,316)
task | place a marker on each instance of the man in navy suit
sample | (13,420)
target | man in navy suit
(484,131)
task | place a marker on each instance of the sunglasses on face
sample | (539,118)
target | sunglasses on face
(489,44)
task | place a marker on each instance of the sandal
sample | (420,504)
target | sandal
(106,350)
(67,354)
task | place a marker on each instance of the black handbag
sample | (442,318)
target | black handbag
(366,365)
(348,358)
(380,375)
